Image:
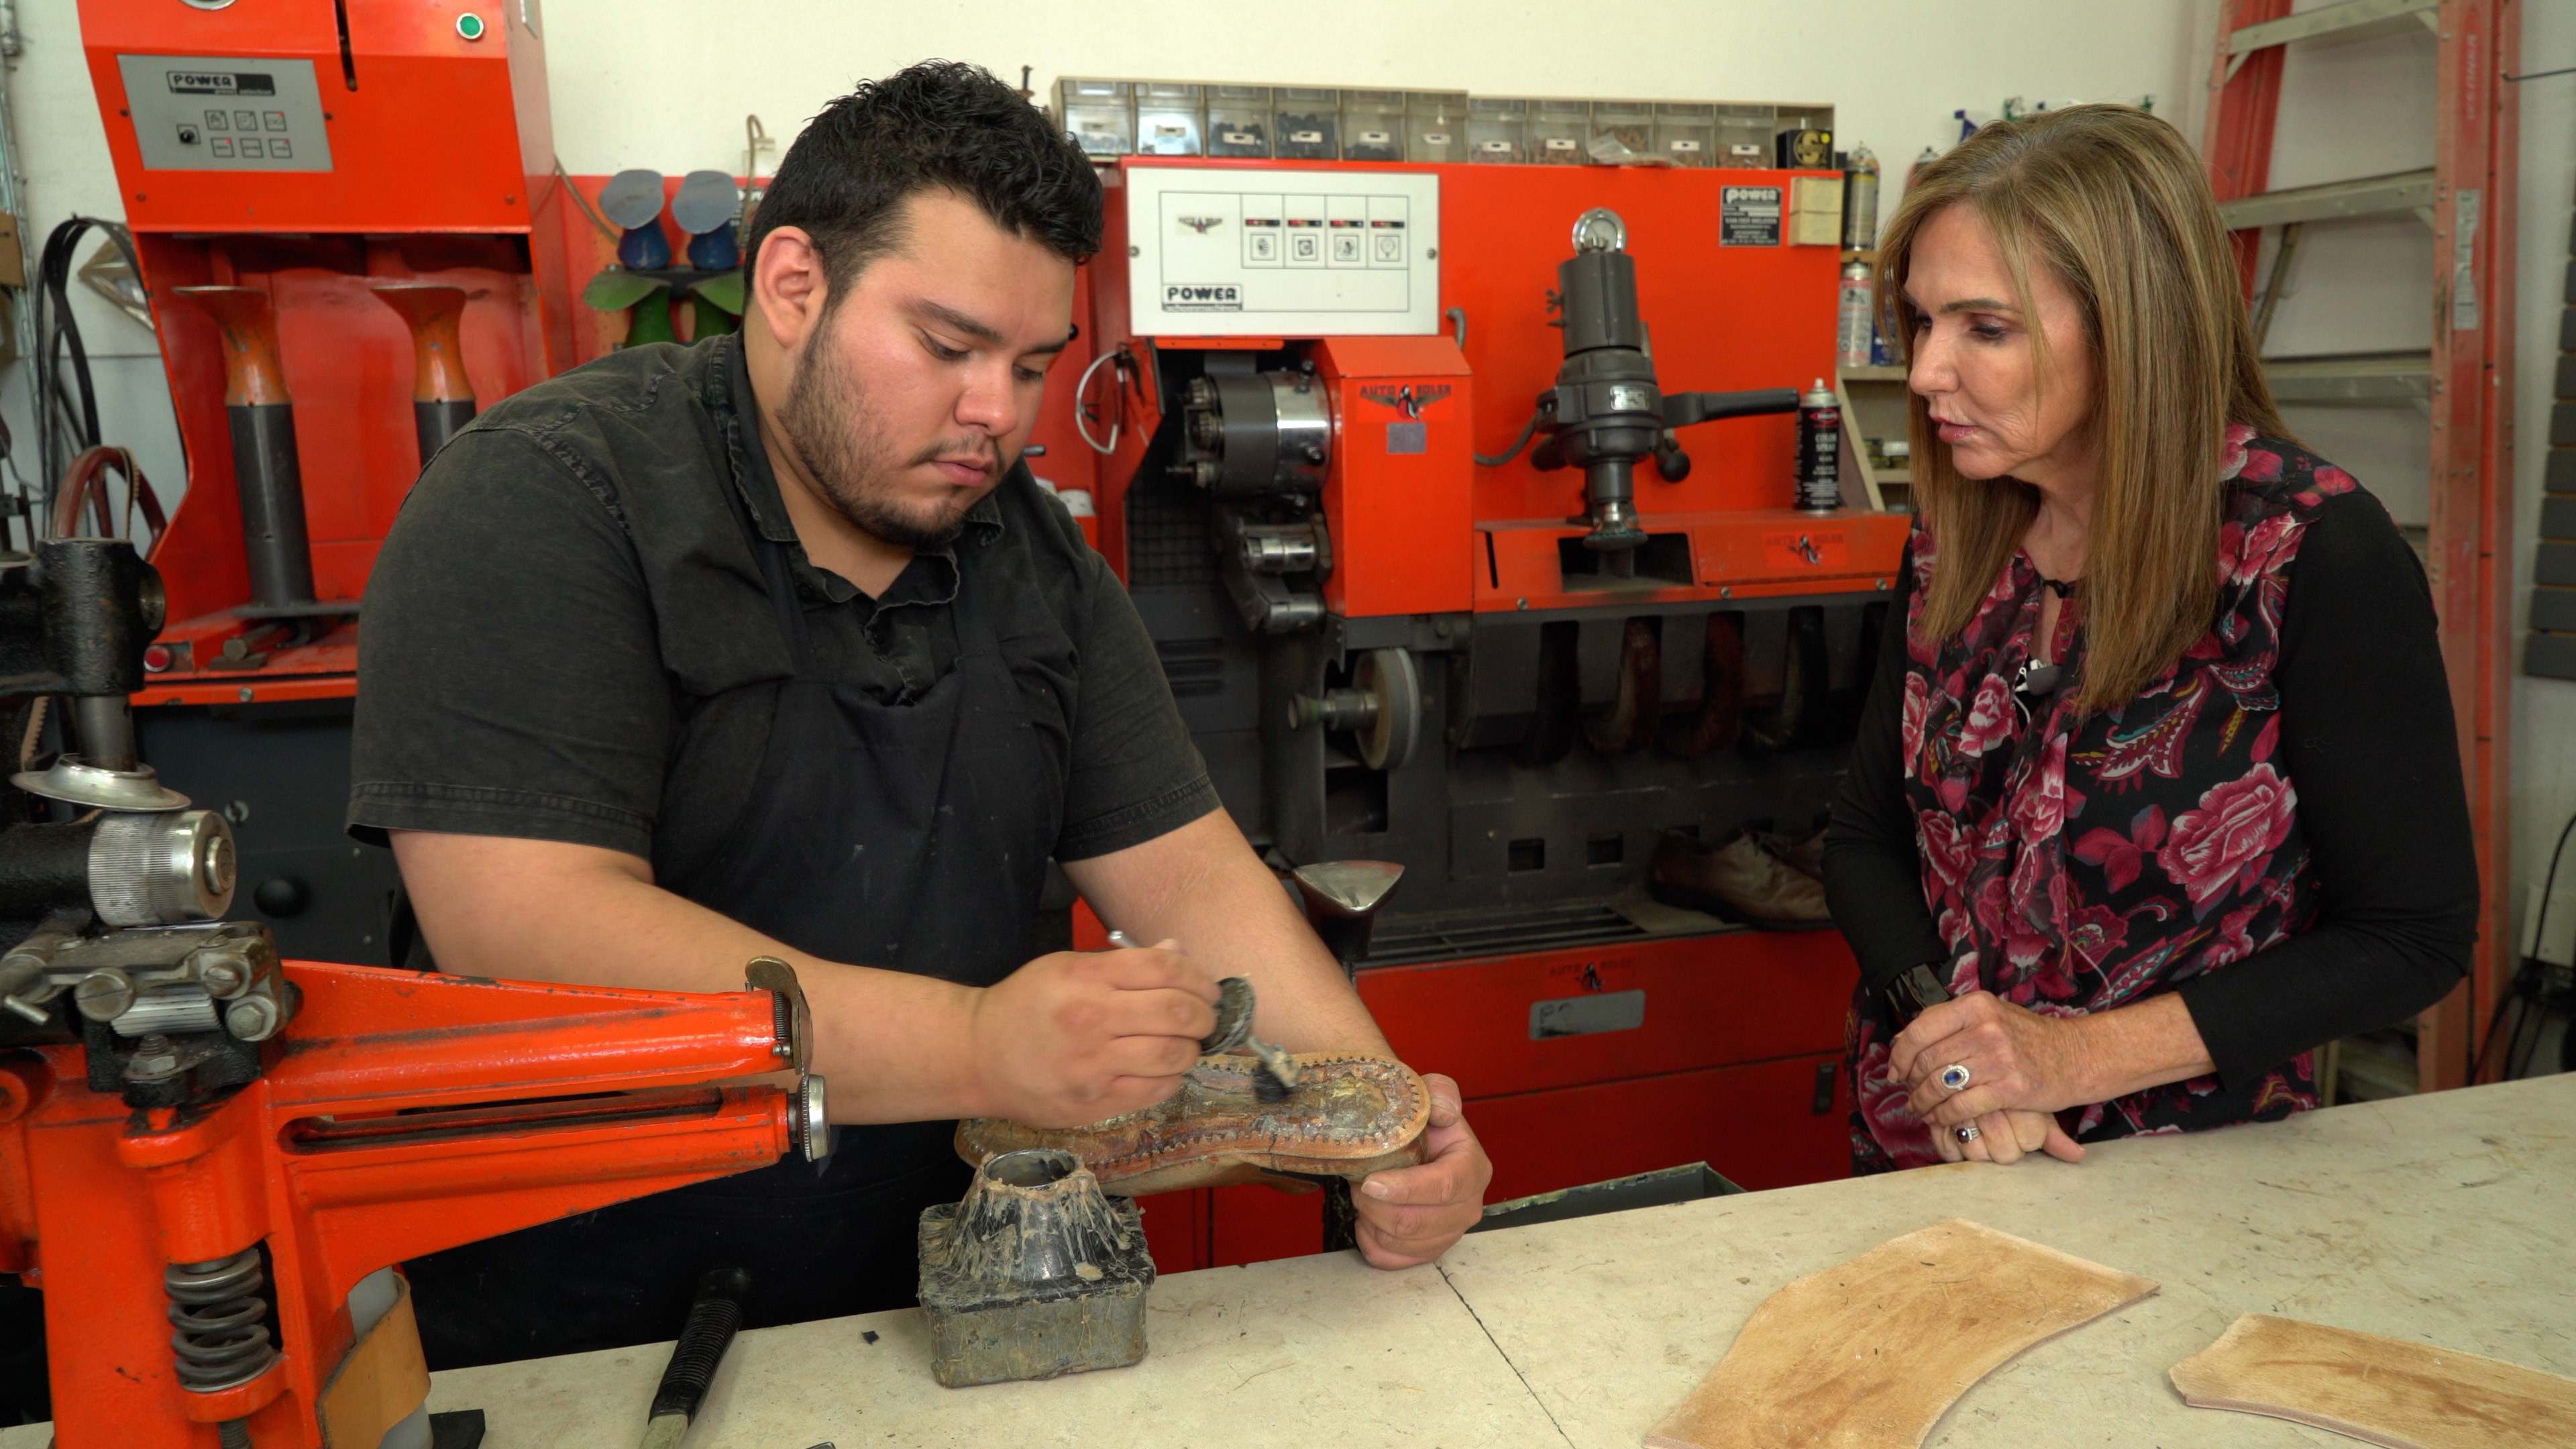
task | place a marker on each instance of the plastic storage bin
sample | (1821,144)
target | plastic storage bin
(1686,134)
(1168,119)
(1309,123)
(1558,131)
(1238,120)
(1744,136)
(1435,126)
(1622,132)
(1100,115)
(1372,125)
(1497,129)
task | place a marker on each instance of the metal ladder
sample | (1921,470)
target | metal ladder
(2466,380)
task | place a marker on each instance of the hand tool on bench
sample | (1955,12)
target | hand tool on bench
(723,1295)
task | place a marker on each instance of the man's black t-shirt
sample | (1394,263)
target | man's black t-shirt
(568,597)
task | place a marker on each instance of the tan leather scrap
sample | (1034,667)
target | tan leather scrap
(1349,1116)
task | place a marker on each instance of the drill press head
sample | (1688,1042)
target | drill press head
(1606,412)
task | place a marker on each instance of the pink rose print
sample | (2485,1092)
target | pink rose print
(2231,452)
(2039,810)
(1918,702)
(1990,717)
(2239,822)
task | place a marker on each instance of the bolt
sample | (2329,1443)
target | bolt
(153,1057)
(1727,593)
(1524,603)
(103,995)
(252,1018)
(223,975)
(245,694)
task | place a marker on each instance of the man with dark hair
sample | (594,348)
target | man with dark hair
(770,646)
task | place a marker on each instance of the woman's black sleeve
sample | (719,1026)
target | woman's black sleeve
(2368,743)
(1873,869)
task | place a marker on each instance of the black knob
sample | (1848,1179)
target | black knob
(1672,464)
(282,896)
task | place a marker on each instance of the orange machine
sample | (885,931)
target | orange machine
(352,232)
(211,1160)
(395,1114)
(1510,667)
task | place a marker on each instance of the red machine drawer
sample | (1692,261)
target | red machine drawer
(1757,1125)
(1743,996)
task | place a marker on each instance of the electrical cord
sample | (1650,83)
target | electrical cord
(66,420)
(2526,986)
(1116,357)
(1499,459)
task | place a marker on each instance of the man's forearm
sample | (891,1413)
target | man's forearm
(893,1044)
(1202,886)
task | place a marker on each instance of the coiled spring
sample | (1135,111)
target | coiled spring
(222,1336)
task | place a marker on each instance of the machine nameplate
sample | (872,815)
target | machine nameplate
(1584,1015)
(1265,252)
(225,113)
(1748,216)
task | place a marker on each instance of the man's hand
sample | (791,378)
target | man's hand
(1076,1037)
(1410,1215)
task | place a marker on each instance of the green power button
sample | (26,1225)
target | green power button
(470,25)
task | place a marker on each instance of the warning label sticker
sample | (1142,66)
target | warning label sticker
(1748,216)
(1819,548)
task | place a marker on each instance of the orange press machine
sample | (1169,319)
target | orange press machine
(210,1158)
(351,231)
(1459,500)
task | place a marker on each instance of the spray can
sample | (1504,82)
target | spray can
(1860,201)
(1853,333)
(1820,450)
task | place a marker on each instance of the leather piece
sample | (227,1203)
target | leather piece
(1349,1116)
(1870,1354)
(2380,1390)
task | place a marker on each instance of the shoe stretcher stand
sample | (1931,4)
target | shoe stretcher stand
(2430,1218)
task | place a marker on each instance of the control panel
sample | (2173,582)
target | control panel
(1265,253)
(225,113)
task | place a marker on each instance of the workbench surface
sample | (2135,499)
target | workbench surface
(2445,1218)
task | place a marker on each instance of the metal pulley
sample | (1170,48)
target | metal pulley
(1256,434)
(1381,709)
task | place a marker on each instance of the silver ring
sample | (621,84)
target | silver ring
(1968,1133)
(1954,1076)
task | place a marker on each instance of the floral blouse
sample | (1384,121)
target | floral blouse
(2076,863)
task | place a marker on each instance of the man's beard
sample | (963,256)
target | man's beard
(827,420)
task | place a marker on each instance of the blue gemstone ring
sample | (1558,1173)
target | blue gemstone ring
(1954,1076)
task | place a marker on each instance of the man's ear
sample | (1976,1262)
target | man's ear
(789,287)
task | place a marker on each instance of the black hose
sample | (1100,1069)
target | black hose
(66,421)
(2526,977)
(1514,450)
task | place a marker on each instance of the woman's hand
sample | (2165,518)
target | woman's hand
(2016,1059)
(2006,1137)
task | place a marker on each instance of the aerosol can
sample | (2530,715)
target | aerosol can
(1820,444)
(1860,201)
(1854,331)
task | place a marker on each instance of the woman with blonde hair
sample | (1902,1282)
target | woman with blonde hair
(2158,785)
